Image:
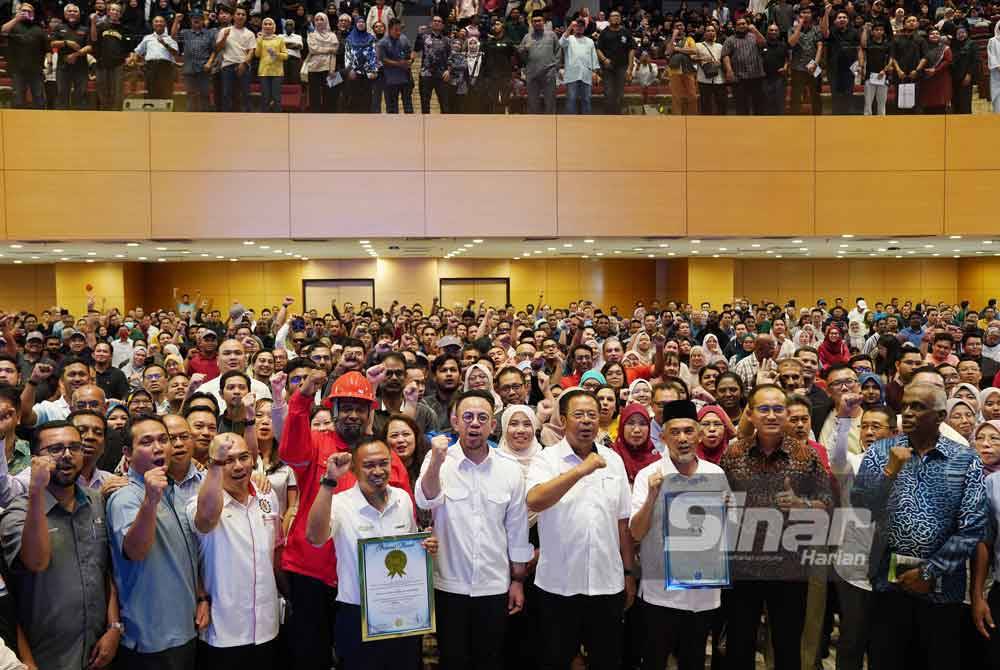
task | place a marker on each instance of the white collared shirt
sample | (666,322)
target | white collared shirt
(352,518)
(481,521)
(237,567)
(580,552)
(213,386)
(707,477)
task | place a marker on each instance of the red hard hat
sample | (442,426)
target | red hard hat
(350,385)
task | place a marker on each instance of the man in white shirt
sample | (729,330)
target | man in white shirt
(580,68)
(75,373)
(681,619)
(581,494)
(476,495)
(237,44)
(238,530)
(371,508)
(232,356)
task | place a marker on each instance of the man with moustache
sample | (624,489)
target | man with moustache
(392,374)
(370,508)
(204,425)
(93,434)
(155,556)
(476,496)
(61,586)
(237,559)
(680,619)
(184,474)
(580,491)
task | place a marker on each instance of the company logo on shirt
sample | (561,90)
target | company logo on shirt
(265,506)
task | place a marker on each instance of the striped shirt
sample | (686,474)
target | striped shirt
(744,54)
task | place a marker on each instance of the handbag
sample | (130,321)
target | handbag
(711,68)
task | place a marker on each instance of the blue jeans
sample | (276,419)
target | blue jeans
(578,92)
(270,94)
(71,84)
(28,81)
(235,89)
(198,85)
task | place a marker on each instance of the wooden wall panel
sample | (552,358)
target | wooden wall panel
(76,141)
(487,142)
(970,198)
(879,143)
(643,143)
(218,142)
(973,142)
(220,205)
(27,287)
(54,205)
(495,203)
(356,142)
(332,204)
(621,203)
(771,144)
(741,203)
(907,203)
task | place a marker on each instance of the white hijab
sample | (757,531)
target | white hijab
(524,456)
(993,49)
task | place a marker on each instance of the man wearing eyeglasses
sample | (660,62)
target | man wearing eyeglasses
(390,379)
(845,392)
(154,380)
(155,556)
(56,546)
(580,491)
(476,496)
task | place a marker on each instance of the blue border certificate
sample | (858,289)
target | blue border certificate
(695,550)
(397,587)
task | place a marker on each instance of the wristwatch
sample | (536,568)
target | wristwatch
(329,482)
(215,461)
(629,573)
(205,599)
(116,625)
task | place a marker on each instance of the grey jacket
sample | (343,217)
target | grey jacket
(542,54)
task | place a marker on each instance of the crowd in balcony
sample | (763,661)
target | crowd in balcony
(497,56)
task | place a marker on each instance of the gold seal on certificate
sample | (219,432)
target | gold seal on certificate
(397,587)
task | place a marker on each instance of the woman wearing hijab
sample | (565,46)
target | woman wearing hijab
(640,392)
(963,69)
(591,380)
(745,349)
(473,101)
(961,415)
(856,334)
(478,377)
(872,390)
(642,347)
(805,337)
(361,65)
(833,350)
(935,90)
(967,391)
(321,65)
(696,361)
(716,431)
(989,403)
(713,352)
(986,439)
(993,62)
(634,444)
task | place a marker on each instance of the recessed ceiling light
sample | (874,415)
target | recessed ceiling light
(161,248)
(723,249)
(305,258)
(893,241)
(477,241)
(276,251)
(161,260)
(18,262)
(796,241)
(715,255)
(935,254)
(600,253)
(35,257)
(650,256)
(778,256)
(987,241)
(898,256)
(755,246)
(842,246)
(695,252)
(525,253)
(881,249)
(59,251)
(298,255)
(551,248)
(249,243)
(637,248)
(847,235)
(928,246)
(516,258)
(588,241)
(64,258)
(954,237)
(363,242)
(265,246)
(585,256)
(289,253)
(769,251)
(537,251)
(957,250)
(91,253)
(204,255)
(911,251)
(617,251)
(671,253)
(956,256)
(131,244)
(568,245)
(664,246)
(142,258)
(695,241)
(467,246)
(119,255)
(90,260)
(17,246)
(233,260)
(803,248)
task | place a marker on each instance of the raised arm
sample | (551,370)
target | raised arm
(320,521)
(36,548)
(142,534)
(546,494)
(210,494)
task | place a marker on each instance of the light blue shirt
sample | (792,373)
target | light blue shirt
(581,59)
(157,594)
(188,487)
(993,502)
(151,49)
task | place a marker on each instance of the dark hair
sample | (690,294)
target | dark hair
(808,350)
(352,341)
(153,365)
(189,410)
(565,398)
(857,358)
(930,369)
(836,367)
(441,359)
(421,446)
(50,425)
(510,370)
(968,335)
(11,395)
(229,374)
(707,368)
(763,387)
(299,362)
(394,356)
(798,399)
(141,419)
(393,22)
(941,337)
(316,409)
(88,412)
(73,361)
(464,395)
(883,409)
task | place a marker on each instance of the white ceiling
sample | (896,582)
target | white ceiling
(608,247)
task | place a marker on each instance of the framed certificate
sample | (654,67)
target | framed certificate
(696,555)
(396,575)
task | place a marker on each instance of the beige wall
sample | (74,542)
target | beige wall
(27,287)
(492,176)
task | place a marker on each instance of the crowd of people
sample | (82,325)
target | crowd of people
(496,56)
(186,487)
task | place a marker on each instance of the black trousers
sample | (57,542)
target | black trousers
(961,98)
(671,631)
(905,628)
(712,99)
(993,645)
(256,656)
(470,630)
(175,658)
(593,621)
(395,654)
(786,612)
(749,96)
(310,627)
(429,85)
(322,98)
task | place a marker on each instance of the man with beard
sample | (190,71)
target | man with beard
(312,575)
(204,359)
(92,427)
(61,581)
(109,378)
(390,378)
(75,374)
(580,491)
(177,388)
(479,578)
(235,389)
(204,424)
(238,531)
(447,378)
(232,356)
(184,474)
(682,618)
(155,557)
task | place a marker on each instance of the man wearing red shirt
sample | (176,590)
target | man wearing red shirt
(204,360)
(614,352)
(312,576)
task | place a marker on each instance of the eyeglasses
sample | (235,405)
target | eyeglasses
(154,376)
(581,415)
(770,409)
(511,388)
(472,417)
(843,383)
(56,450)
(395,373)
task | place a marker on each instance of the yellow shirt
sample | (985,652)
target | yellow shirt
(268,65)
